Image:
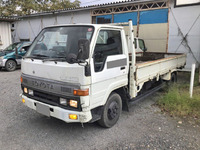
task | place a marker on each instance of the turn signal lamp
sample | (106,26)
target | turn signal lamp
(73,116)
(73,103)
(79,92)
(23,100)
(21,79)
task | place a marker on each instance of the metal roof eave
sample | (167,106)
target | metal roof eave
(113,4)
(8,19)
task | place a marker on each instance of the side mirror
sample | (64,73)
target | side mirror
(83,46)
(16,51)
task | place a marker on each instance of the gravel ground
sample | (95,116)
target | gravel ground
(144,127)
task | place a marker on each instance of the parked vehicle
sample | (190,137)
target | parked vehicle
(86,73)
(11,56)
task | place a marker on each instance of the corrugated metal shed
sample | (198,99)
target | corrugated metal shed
(152,20)
(5,31)
(90,7)
(184,32)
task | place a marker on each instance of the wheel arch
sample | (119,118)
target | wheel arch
(11,59)
(124,97)
(122,92)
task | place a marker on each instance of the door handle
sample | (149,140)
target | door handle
(122,68)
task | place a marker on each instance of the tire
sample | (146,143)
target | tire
(11,65)
(111,111)
(173,79)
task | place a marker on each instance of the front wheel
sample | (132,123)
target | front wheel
(10,65)
(111,111)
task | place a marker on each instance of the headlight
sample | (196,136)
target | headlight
(73,103)
(1,58)
(69,102)
(63,101)
(28,91)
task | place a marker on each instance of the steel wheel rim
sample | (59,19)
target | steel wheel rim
(113,110)
(11,65)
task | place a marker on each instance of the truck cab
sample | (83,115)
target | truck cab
(67,67)
(11,56)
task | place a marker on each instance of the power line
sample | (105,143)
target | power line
(100,0)
(90,1)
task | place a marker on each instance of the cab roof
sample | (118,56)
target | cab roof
(96,26)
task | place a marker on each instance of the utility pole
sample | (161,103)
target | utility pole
(199,74)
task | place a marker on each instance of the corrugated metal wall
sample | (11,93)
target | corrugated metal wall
(5,34)
(184,32)
(28,28)
(153,26)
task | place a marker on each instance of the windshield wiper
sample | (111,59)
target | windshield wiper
(35,56)
(29,57)
(40,55)
(55,59)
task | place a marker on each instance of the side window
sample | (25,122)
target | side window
(141,44)
(26,47)
(108,43)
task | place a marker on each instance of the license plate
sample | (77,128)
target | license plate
(43,109)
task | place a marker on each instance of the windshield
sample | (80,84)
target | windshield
(12,47)
(59,42)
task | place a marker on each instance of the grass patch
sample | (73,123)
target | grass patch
(177,102)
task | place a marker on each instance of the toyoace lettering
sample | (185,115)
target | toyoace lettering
(42,85)
(87,72)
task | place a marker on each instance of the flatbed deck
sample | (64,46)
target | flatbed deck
(150,65)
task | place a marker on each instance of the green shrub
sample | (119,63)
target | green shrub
(177,101)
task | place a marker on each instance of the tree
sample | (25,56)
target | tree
(8,7)
(1,7)
(25,7)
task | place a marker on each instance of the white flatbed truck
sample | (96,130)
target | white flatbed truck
(85,73)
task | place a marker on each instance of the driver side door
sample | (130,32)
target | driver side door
(109,66)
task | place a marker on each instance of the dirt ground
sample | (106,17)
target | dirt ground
(143,127)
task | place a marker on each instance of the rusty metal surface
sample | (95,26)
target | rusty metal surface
(129,6)
(159,60)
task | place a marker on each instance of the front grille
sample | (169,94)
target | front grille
(47,98)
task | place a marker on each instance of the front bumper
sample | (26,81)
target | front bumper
(58,112)
(3,62)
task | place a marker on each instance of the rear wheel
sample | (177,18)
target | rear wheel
(10,65)
(173,79)
(111,111)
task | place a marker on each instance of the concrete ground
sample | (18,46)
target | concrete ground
(144,127)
